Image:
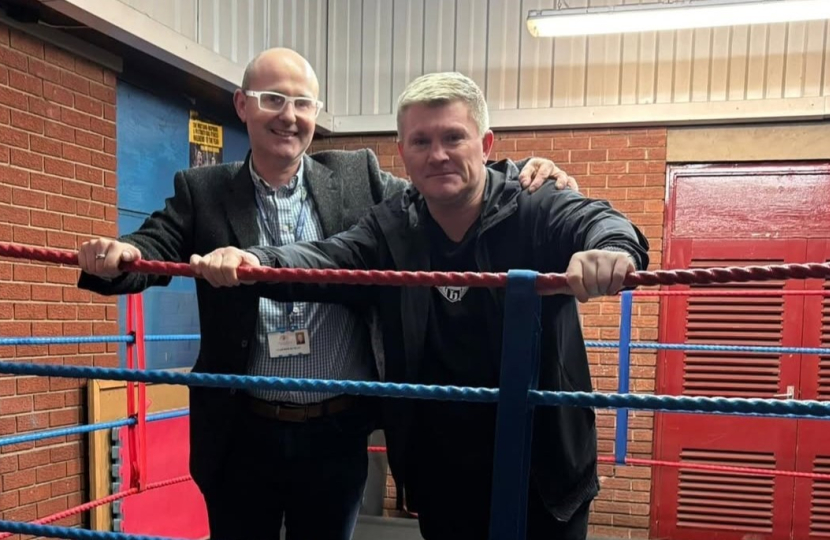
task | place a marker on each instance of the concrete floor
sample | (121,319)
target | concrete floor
(380,528)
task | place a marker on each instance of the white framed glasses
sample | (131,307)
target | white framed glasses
(275,102)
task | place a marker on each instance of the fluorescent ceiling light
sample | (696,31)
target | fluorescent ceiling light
(681,14)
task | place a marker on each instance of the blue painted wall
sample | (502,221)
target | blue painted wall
(152,135)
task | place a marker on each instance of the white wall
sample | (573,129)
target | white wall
(366,51)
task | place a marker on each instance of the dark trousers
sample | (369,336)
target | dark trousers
(455,505)
(311,475)
(449,481)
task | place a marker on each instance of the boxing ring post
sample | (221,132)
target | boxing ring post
(136,404)
(623,377)
(514,422)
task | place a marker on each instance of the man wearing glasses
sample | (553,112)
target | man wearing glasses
(263,458)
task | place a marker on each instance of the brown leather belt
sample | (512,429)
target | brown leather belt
(291,412)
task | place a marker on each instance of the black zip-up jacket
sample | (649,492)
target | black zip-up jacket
(518,230)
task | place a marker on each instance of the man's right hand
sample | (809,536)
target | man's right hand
(102,256)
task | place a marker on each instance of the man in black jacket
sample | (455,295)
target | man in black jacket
(261,458)
(460,216)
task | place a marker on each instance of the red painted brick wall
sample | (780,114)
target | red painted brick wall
(57,188)
(626,167)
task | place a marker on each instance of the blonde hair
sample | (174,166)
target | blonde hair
(441,89)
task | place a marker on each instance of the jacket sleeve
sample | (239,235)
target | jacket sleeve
(507,167)
(167,235)
(384,185)
(573,223)
(355,249)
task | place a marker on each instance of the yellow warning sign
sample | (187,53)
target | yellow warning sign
(205,142)
(206,134)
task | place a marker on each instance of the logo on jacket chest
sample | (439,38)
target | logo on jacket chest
(453,294)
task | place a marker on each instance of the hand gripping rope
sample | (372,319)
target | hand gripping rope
(517,395)
(457,279)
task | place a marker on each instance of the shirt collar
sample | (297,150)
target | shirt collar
(265,187)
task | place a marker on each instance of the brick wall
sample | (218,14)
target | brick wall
(57,187)
(626,167)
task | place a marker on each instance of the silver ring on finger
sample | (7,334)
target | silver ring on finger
(99,256)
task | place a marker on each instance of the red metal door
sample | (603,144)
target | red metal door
(811,511)
(698,505)
(744,214)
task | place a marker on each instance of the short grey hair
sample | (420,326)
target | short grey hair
(441,89)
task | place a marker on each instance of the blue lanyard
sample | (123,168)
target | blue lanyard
(298,229)
(298,235)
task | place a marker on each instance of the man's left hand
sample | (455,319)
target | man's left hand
(538,170)
(596,273)
(220,265)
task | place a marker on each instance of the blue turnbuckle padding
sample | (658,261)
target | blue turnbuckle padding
(514,421)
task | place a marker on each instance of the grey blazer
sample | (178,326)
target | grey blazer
(213,207)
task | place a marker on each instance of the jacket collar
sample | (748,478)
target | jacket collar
(322,185)
(327,192)
(263,187)
(501,192)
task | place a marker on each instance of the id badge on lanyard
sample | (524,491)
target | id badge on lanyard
(293,340)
